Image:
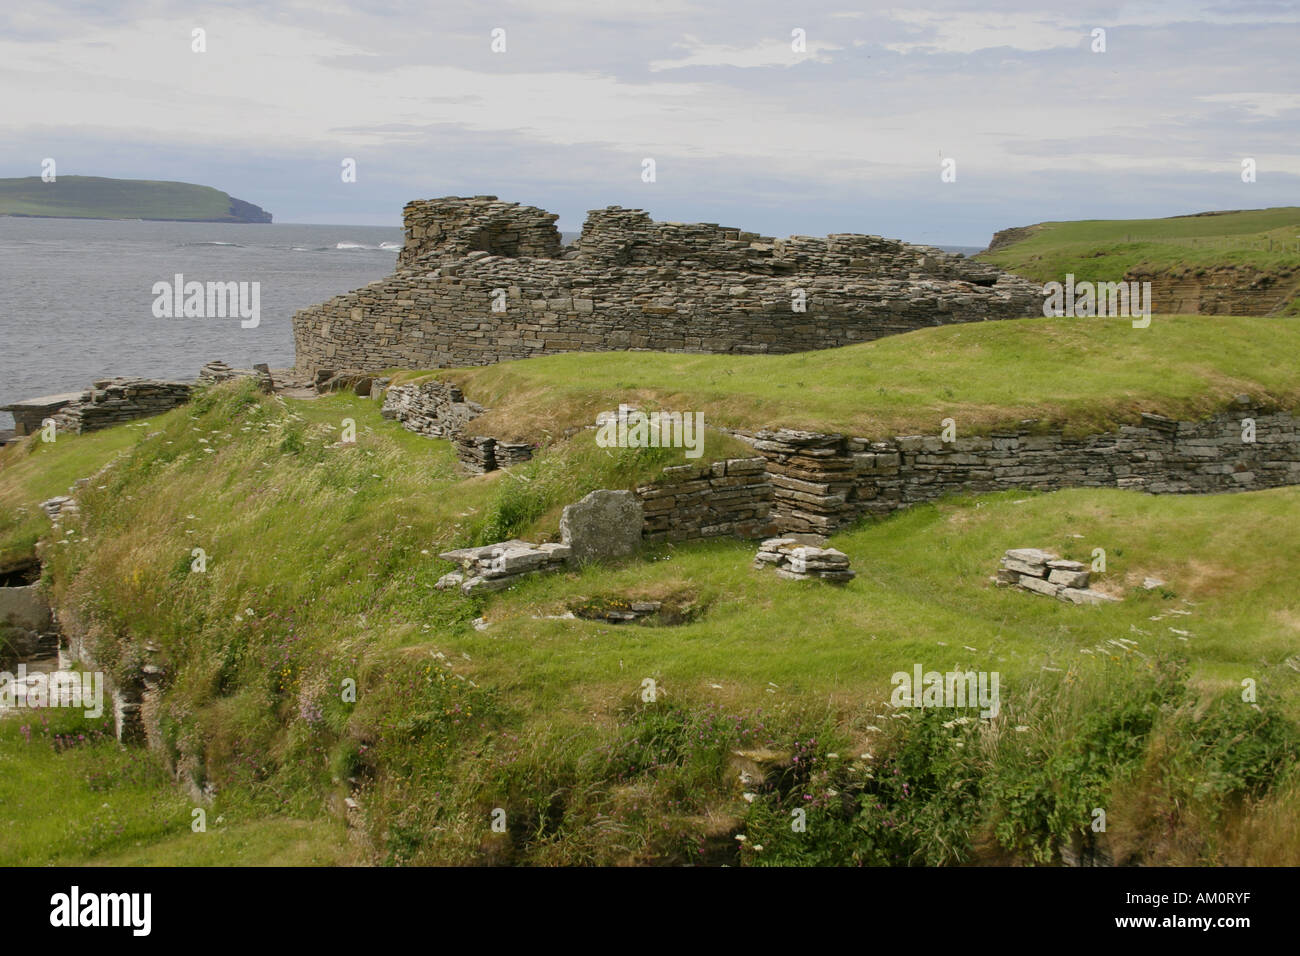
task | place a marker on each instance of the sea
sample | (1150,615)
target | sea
(77,300)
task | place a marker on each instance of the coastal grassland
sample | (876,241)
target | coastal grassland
(69,795)
(1100,250)
(1078,374)
(321,560)
(34,471)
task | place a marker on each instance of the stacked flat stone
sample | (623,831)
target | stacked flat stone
(436,409)
(823,482)
(496,566)
(725,498)
(218,371)
(455,227)
(59,505)
(508,453)
(117,400)
(440,410)
(811,480)
(1045,573)
(794,559)
(632,283)
(30,413)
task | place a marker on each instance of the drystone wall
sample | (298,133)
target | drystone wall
(116,400)
(724,499)
(480,281)
(823,482)
(804,482)
(436,409)
(440,410)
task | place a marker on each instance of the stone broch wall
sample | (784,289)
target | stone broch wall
(629,282)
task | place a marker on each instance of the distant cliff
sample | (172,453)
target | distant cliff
(1231,262)
(94,197)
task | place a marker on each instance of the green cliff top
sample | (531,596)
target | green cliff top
(94,197)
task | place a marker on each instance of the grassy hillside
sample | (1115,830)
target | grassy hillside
(1243,263)
(94,197)
(1105,249)
(1083,374)
(322,560)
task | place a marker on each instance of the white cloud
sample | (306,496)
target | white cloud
(766,54)
(968,32)
(1264,104)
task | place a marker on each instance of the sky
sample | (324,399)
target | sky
(776,117)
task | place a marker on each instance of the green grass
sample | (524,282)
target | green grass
(95,197)
(1081,374)
(1100,250)
(48,469)
(321,565)
(70,795)
(321,561)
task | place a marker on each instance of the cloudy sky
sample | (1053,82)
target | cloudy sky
(846,135)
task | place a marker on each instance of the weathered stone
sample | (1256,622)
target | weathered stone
(1085,596)
(1033,556)
(1031,583)
(1021,567)
(1069,579)
(26,608)
(604,524)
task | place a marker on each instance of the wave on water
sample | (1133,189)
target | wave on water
(382,247)
(235,244)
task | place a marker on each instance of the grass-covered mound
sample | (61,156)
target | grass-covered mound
(321,564)
(1078,373)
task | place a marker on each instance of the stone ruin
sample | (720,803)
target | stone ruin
(795,558)
(1042,572)
(480,281)
(604,524)
(107,402)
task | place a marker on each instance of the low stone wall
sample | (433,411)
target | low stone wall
(117,400)
(822,482)
(815,483)
(440,410)
(30,413)
(436,409)
(726,498)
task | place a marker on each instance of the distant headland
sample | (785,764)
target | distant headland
(95,197)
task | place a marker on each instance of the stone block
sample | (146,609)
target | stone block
(604,524)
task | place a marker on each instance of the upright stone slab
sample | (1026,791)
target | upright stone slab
(605,524)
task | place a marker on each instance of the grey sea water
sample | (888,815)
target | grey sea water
(76,301)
